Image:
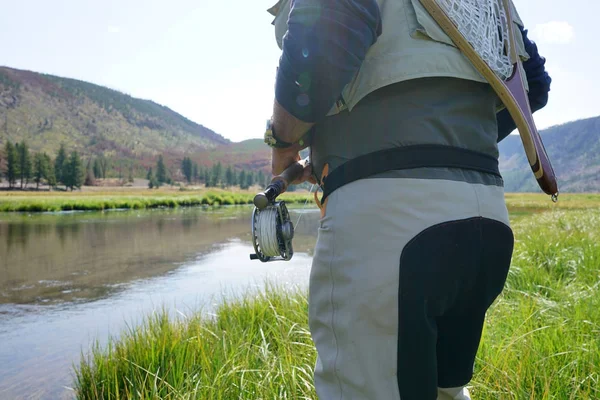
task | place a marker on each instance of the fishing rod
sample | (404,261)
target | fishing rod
(272,228)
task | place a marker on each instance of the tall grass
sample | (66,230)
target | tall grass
(541,338)
(256,348)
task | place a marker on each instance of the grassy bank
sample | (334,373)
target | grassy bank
(120,198)
(540,340)
(132,199)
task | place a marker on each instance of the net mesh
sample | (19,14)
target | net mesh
(484,24)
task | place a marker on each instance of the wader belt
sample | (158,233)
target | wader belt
(408,157)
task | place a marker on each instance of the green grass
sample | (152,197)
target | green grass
(53,202)
(541,339)
(255,348)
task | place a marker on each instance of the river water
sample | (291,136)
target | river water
(69,279)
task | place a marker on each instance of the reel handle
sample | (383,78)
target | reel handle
(279,184)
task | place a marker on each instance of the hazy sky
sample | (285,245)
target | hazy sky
(214,61)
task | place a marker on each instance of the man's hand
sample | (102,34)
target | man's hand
(283,158)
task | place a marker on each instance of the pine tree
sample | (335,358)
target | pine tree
(39,169)
(74,174)
(11,163)
(97,169)
(195,172)
(49,175)
(242,180)
(24,163)
(207,180)
(59,164)
(161,170)
(217,172)
(249,179)
(260,178)
(152,181)
(229,176)
(187,168)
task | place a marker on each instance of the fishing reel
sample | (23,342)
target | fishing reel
(272,229)
(272,233)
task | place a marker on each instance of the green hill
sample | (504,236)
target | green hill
(574,150)
(47,110)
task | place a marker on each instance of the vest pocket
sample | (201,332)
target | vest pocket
(423,25)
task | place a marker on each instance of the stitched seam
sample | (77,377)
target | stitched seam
(331,276)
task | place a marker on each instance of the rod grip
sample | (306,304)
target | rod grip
(279,184)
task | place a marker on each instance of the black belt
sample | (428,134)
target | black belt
(408,157)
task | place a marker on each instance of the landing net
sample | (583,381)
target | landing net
(484,25)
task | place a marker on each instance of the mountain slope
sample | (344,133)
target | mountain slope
(48,110)
(574,150)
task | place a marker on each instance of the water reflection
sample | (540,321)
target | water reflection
(67,279)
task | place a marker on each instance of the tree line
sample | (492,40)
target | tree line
(216,175)
(25,166)
(21,167)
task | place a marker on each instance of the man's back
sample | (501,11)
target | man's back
(442,111)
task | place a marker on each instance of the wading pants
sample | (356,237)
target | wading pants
(403,273)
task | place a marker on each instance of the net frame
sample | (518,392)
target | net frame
(511,91)
(484,24)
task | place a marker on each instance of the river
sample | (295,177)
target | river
(69,279)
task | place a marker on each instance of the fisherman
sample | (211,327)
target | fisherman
(414,242)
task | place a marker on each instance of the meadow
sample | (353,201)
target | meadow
(541,338)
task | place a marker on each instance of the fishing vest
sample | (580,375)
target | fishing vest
(411,46)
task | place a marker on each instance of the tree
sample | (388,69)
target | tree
(130,178)
(49,170)
(39,169)
(97,169)
(242,180)
(195,172)
(229,174)
(152,181)
(73,173)
(11,163)
(23,162)
(59,165)
(217,171)
(249,179)
(161,170)
(260,178)
(187,168)
(207,180)
(103,165)
(90,178)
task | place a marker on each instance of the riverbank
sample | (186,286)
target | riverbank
(109,199)
(540,339)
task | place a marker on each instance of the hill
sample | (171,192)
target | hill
(574,150)
(47,110)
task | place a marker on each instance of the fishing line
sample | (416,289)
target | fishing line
(266,230)
(304,208)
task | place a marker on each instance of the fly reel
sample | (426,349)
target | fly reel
(272,229)
(272,233)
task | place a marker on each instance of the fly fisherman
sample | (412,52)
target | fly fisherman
(414,242)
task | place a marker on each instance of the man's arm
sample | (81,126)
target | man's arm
(324,47)
(539,86)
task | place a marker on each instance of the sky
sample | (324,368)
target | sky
(214,61)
